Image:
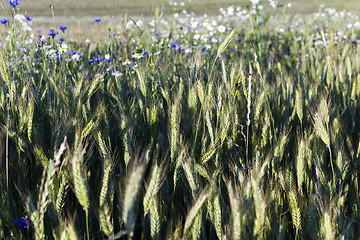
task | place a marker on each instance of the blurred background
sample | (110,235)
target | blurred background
(79,15)
(83,8)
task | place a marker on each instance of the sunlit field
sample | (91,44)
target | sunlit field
(238,120)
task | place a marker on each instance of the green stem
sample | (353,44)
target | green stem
(87,224)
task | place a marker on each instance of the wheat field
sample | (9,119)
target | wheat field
(242,124)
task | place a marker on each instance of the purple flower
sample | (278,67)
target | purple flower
(53,33)
(4,21)
(97,20)
(23,223)
(38,31)
(63,28)
(28,18)
(62,40)
(13,3)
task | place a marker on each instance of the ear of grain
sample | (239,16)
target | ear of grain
(224,74)
(209,126)
(79,180)
(61,194)
(218,217)
(226,42)
(260,207)
(300,164)
(178,166)
(174,126)
(40,155)
(326,227)
(105,184)
(194,211)
(196,227)
(89,128)
(235,212)
(30,119)
(131,192)
(323,111)
(142,83)
(3,69)
(190,177)
(294,210)
(105,220)
(152,189)
(321,131)
(299,103)
(154,220)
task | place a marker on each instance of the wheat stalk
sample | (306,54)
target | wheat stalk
(294,210)
(226,43)
(326,227)
(61,194)
(190,177)
(152,189)
(248,117)
(154,220)
(300,164)
(194,211)
(299,103)
(131,192)
(78,178)
(235,212)
(218,217)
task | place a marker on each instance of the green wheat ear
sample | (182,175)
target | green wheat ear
(226,43)
(3,70)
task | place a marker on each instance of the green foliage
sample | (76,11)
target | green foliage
(251,145)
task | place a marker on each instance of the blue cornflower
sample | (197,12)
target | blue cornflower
(159,33)
(61,39)
(53,33)
(97,20)
(28,18)
(4,21)
(38,31)
(63,28)
(174,45)
(23,223)
(13,3)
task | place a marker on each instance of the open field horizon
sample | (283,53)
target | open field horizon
(86,8)
(79,15)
